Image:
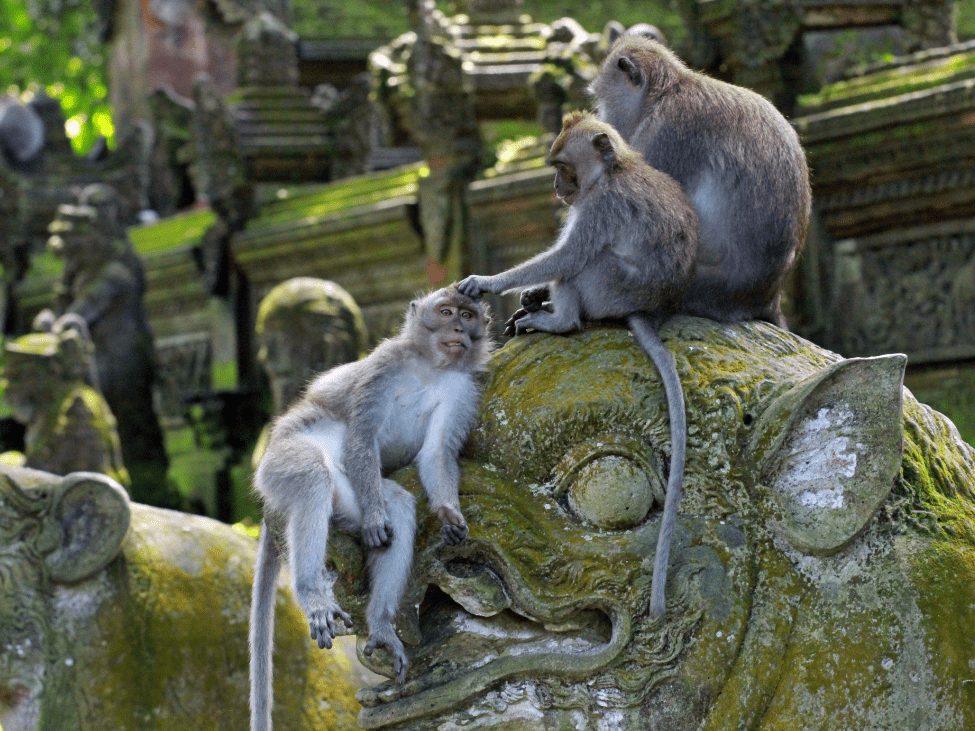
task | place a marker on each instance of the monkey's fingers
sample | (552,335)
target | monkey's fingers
(377,535)
(511,324)
(471,287)
(453,534)
(533,297)
(400,664)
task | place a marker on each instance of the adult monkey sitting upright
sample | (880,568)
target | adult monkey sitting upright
(414,398)
(737,158)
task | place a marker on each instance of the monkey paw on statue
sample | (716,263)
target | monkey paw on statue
(412,400)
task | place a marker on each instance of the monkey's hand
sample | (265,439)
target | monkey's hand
(513,327)
(534,298)
(386,637)
(474,286)
(453,527)
(377,529)
(321,622)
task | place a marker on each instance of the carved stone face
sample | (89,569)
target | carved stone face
(787,594)
(304,327)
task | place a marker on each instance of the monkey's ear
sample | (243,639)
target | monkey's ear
(827,451)
(631,70)
(604,146)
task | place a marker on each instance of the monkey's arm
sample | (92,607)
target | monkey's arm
(437,463)
(583,237)
(362,461)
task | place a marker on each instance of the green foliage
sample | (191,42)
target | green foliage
(53,45)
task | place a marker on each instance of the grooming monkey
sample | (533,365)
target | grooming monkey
(737,158)
(627,250)
(414,398)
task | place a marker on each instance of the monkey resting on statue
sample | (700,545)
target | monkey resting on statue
(414,397)
(737,158)
(627,251)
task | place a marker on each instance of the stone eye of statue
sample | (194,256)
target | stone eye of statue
(610,482)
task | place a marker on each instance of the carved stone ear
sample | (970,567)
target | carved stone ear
(828,451)
(91,512)
(631,70)
(604,147)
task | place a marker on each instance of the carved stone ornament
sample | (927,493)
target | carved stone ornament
(115,615)
(821,574)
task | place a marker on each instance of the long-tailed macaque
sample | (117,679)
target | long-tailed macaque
(627,250)
(737,158)
(414,398)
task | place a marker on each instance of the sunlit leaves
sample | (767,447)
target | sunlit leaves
(53,45)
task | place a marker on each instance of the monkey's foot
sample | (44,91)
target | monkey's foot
(387,637)
(322,617)
(454,528)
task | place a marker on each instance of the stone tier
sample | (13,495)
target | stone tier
(896,146)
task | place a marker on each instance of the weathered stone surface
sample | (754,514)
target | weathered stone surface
(892,149)
(121,616)
(51,386)
(538,620)
(306,326)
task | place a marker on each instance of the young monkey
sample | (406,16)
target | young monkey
(414,398)
(627,250)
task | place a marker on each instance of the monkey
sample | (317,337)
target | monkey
(627,250)
(738,159)
(414,398)
(21,133)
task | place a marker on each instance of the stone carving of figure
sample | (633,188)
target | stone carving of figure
(103,283)
(49,386)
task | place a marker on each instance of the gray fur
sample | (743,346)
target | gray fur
(414,398)
(21,132)
(627,250)
(737,157)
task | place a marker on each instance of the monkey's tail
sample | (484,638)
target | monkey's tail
(262,630)
(646,335)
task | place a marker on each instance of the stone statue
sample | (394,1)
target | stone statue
(51,387)
(822,568)
(103,283)
(306,326)
(115,615)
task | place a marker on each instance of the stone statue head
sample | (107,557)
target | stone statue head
(822,564)
(89,230)
(306,326)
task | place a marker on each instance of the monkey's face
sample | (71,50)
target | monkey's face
(539,620)
(454,328)
(577,165)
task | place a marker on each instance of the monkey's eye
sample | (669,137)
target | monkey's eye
(446,311)
(467,314)
(611,482)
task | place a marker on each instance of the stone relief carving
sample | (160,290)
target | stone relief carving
(819,569)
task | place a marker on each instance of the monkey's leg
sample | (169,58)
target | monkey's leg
(312,488)
(389,570)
